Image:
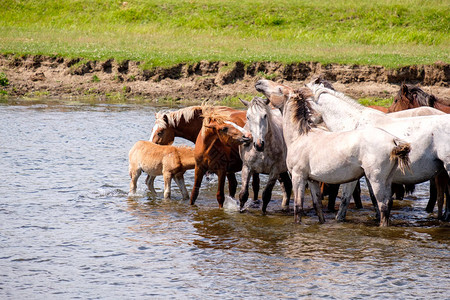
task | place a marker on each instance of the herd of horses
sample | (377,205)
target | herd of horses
(310,136)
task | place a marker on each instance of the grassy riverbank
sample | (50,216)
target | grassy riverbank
(161,33)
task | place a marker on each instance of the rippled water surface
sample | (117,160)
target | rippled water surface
(69,229)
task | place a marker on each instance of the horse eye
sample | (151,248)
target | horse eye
(265,116)
(160,134)
(225,129)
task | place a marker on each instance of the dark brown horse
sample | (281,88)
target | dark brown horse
(410,96)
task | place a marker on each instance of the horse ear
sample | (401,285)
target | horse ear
(166,119)
(404,89)
(246,103)
(208,125)
(432,100)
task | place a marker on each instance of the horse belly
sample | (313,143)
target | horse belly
(337,174)
(421,171)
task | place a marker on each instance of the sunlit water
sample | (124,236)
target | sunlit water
(69,229)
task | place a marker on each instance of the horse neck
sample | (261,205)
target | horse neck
(274,135)
(189,129)
(442,107)
(341,115)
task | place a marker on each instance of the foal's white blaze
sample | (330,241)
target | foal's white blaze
(156,127)
(242,130)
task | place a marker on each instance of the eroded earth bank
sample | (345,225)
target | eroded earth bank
(58,77)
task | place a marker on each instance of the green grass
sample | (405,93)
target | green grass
(386,102)
(4,81)
(161,33)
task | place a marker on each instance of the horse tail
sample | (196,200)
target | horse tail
(400,154)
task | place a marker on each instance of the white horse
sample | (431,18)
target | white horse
(429,136)
(267,154)
(372,152)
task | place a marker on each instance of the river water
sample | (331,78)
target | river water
(69,229)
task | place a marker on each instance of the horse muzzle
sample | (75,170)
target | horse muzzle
(245,140)
(259,145)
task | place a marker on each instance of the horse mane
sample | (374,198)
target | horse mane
(261,103)
(212,113)
(423,98)
(318,89)
(301,110)
(174,117)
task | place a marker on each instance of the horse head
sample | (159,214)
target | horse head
(403,100)
(277,93)
(162,133)
(225,126)
(258,114)
(229,133)
(321,80)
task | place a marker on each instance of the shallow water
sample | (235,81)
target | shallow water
(69,229)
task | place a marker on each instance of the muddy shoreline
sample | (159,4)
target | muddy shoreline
(57,77)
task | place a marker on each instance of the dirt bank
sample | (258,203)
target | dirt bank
(61,78)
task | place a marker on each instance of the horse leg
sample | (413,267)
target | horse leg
(150,181)
(382,191)
(198,177)
(447,201)
(167,183)
(433,196)
(446,178)
(441,180)
(245,176)
(134,174)
(298,185)
(221,188)
(333,190)
(317,203)
(267,193)
(398,190)
(347,191)
(255,186)
(357,195)
(232,184)
(286,186)
(373,199)
(179,179)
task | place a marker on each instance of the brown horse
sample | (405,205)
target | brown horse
(187,123)
(169,161)
(410,96)
(216,151)
(380,108)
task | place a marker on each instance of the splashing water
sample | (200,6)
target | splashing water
(232,204)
